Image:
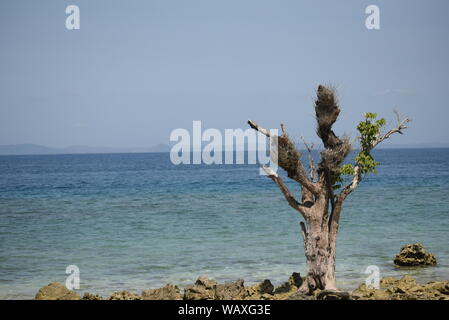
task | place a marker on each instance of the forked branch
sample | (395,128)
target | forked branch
(402,124)
(289,159)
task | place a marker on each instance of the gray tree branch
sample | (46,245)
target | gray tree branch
(289,159)
(304,210)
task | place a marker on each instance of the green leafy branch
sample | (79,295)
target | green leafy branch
(369,130)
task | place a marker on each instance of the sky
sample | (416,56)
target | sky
(136,70)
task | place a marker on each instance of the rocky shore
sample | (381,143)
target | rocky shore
(203,289)
(405,288)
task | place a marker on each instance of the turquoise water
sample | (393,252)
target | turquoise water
(135,221)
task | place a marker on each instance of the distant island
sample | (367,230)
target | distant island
(34,149)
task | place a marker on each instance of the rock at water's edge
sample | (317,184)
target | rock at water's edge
(124,295)
(414,255)
(203,289)
(263,290)
(405,288)
(289,288)
(231,290)
(90,296)
(169,292)
(56,291)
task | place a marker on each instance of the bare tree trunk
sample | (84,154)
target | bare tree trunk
(319,249)
(320,263)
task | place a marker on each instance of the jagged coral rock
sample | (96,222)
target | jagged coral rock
(231,290)
(56,291)
(405,288)
(288,288)
(261,290)
(414,255)
(169,292)
(124,295)
(90,296)
(203,289)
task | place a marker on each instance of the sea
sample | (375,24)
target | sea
(137,221)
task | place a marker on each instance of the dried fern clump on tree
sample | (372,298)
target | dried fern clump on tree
(322,190)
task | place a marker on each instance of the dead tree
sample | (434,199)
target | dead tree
(322,190)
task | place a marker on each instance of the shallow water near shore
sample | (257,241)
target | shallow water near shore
(136,221)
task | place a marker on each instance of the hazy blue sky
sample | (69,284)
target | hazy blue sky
(138,69)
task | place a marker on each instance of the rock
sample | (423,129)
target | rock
(388,281)
(231,290)
(414,255)
(403,285)
(405,288)
(206,289)
(203,289)
(90,296)
(440,286)
(365,293)
(266,291)
(124,295)
(56,291)
(291,286)
(362,292)
(300,296)
(380,295)
(266,287)
(284,288)
(169,292)
(267,296)
(435,290)
(332,295)
(295,279)
(256,291)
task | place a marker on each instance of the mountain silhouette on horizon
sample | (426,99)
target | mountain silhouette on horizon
(30,149)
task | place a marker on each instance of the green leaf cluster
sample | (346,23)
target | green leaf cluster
(369,130)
